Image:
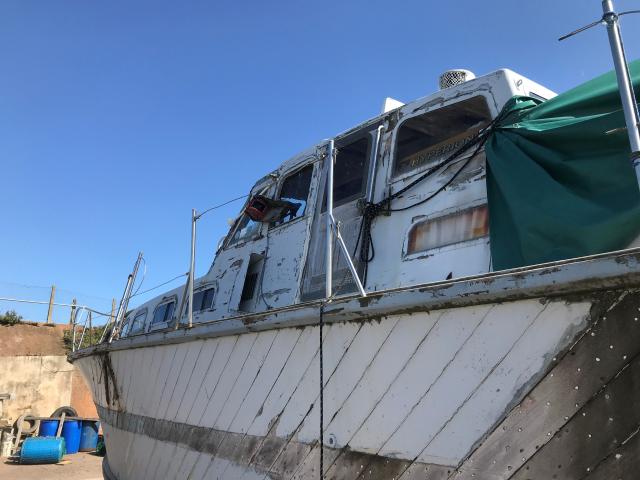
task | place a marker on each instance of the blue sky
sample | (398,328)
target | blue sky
(116,118)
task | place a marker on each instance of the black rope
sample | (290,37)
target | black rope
(321,323)
(371,210)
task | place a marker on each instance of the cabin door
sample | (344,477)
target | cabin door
(351,175)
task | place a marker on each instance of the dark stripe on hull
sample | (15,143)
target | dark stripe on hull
(259,452)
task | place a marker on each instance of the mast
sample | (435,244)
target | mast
(629,105)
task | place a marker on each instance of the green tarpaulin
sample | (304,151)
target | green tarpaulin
(560,183)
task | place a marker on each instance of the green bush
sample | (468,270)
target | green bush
(91,337)
(10,317)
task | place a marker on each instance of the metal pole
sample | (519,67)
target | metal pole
(331,156)
(347,257)
(51,301)
(373,164)
(113,310)
(629,105)
(124,302)
(72,317)
(192,265)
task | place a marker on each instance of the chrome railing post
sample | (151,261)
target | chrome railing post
(192,265)
(122,308)
(331,158)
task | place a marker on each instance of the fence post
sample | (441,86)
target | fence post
(113,310)
(72,317)
(51,298)
(90,331)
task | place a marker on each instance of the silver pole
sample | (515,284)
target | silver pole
(124,302)
(329,221)
(192,265)
(347,257)
(373,164)
(629,105)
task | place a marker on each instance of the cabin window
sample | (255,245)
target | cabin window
(126,325)
(295,189)
(350,172)
(426,139)
(457,227)
(246,230)
(138,321)
(203,299)
(163,313)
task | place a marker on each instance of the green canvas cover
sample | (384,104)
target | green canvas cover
(560,183)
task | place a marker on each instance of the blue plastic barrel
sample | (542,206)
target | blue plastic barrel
(89,435)
(71,434)
(42,450)
(49,428)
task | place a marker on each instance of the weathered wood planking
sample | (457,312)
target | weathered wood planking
(193,390)
(205,391)
(297,364)
(337,341)
(593,433)
(490,343)
(401,345)
(449,335)
(350,369)
(524,364)
(255,360)
(577,376)
(192,359)
(228,378)
(386,378)
(621,464)
(250,371)
(268,374)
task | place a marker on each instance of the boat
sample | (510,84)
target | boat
(479,318)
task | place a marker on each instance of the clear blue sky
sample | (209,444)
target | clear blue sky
(118,117)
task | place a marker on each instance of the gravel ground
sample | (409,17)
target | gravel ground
(81,466)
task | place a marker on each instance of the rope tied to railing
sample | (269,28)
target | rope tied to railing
(371,210)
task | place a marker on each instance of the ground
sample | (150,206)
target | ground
(81,466)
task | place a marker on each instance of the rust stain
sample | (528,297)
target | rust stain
(112,396)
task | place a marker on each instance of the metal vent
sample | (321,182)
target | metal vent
(451,78)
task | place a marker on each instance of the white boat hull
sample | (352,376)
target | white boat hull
(415,390)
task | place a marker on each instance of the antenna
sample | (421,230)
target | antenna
(629,106)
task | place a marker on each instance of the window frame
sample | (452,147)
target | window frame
(394,177)
(204,288)
(262,187)
(363,134)
(449,246)
(297,169)
(163,324)
(124,332)
(141,330)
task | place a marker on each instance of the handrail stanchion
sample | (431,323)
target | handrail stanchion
(192,265)
(84,326)
(331,157)
(334,231)
(122,308)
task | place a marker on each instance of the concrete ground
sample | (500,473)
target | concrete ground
(80,466)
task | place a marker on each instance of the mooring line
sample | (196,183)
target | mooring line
(321,323)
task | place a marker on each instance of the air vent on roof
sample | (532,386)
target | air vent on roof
(454,77)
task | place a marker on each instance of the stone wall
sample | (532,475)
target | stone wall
(34,370)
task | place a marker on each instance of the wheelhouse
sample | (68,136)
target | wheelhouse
(435,230)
